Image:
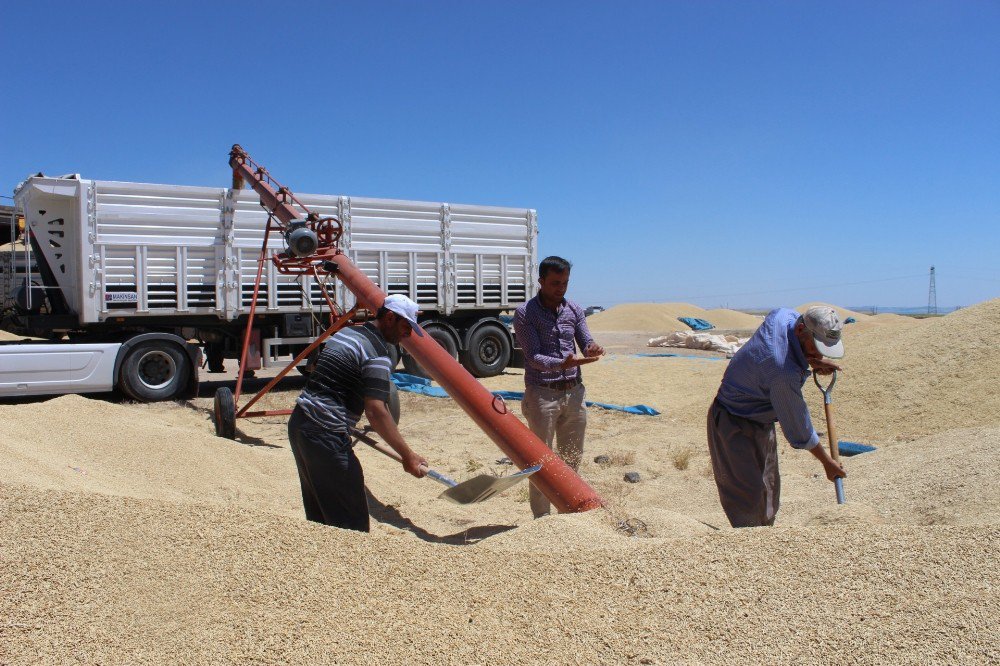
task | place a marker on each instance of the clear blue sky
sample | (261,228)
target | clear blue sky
(742,154)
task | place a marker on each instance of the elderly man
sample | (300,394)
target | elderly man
(763,384)
(548,328)
(351,376)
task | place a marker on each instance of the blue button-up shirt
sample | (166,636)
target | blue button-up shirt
(764,380)
(547,337)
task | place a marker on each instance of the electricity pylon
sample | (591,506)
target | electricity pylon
(932,296)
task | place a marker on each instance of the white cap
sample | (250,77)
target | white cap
(826,327)
(405,308)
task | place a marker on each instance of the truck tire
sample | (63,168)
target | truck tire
(489,351)
(306,367)
(443,337)
(393,402)
(394,354)
(155,370)
(225,414)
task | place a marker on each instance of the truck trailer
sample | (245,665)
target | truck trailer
(124,284)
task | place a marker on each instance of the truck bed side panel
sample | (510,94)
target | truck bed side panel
(124,250)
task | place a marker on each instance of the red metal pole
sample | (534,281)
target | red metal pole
(564,487)
(336,326)
(253,310)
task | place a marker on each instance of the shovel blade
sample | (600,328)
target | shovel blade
(484,486)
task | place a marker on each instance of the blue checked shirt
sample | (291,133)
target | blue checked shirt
(764,380)
(548,337)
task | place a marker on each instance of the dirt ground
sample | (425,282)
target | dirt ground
(130,534)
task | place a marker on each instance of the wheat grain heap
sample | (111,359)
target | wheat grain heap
(130,534)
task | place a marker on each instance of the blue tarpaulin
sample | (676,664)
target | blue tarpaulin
(853,448)
(414,384)
(696,324)
(703,358)
(421,385)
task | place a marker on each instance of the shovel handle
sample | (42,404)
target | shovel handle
(387,450)
(838,483)
(827,390)
(831,431)
(831,434)
(382,448)
(441,478)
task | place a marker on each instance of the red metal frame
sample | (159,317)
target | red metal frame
(564,487)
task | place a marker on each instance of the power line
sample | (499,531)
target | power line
(791,289)
(972,278)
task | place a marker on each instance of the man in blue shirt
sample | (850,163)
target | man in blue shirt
(763,384)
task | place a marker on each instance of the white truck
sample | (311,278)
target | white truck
(126,282)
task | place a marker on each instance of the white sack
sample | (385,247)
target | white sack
(695,340)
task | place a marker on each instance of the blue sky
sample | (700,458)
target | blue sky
(740,154)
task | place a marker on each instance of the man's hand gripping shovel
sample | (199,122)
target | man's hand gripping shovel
(831,433)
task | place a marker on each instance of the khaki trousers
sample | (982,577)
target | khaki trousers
(745,462)
(560,416)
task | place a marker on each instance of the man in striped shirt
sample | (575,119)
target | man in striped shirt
(548,328)
(351,377)
(763,384)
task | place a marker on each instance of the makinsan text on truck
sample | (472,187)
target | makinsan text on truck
(129,282)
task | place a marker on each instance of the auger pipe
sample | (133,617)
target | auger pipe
(557,481)
(564,487)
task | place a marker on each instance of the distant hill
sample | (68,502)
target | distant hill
(881,309)
(874,309)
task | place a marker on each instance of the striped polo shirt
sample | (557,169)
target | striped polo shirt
(764,380)
(353,365)
(547,337)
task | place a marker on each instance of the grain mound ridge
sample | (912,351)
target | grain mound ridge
(843,313)
(903,382)
(948,478)
(662,318)
(147,451)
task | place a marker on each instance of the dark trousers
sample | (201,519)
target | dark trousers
(745,463)
(333,483)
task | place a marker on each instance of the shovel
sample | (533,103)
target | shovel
(476,489)
(831,434)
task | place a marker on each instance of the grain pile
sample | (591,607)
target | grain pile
(130,534)
(661,318)
(6,336)
(907,381)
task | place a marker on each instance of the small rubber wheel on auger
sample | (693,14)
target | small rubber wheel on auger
(225,414)
(393,403)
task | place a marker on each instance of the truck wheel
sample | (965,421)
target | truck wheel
(225,414)
(155,370)
(393,402)
(394,354)
(306,367)
(443,338)
(489,351)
